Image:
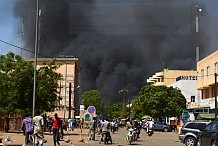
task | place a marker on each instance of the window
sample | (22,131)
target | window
(215,67)
(201,126)
(208,70)
(192,98)
(202,73)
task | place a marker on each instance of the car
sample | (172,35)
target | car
(190,131)
(209,135)
(158,126)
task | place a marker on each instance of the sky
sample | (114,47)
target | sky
(8,27)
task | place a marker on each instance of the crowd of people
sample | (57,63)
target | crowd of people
(36,127)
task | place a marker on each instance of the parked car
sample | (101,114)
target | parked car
(158,126)
(209,135)
(190,131)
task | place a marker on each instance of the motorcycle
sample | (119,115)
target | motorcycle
(136,133)
(116,126)
(105,137)
(130,136)
(113,129)
(150,132)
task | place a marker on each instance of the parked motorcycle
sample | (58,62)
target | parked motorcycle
(106,137)
(130,136)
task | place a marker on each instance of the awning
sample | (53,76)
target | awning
(146,117)
(205,116)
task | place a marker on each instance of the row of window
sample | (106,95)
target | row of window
(208,70)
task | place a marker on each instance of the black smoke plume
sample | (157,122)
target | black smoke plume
(120,43)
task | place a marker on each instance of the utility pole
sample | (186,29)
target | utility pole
(65,90)
(197,11)
(36,52)
(70,92)
(22,35)
(215,94)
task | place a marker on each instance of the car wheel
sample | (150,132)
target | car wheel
(213,143)
(190,141)
(165,129)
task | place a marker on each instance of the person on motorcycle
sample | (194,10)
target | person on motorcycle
(150,125)
(106,126)
(106,129)
(112,125)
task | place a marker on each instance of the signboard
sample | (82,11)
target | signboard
(186,78)
(82,107)
(91,109)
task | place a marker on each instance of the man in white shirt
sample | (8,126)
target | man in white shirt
(38,123)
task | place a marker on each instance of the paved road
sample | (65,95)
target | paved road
(158,139)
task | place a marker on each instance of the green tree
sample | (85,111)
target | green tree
(16,84)
(158,101)
(93,98)
(115,109)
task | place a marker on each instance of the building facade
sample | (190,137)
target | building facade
(167,77)
(206,69)
(69,68)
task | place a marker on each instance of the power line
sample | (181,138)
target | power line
(82,67)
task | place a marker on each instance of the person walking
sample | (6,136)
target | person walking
(93,127)
(55,128)
(27,127)
(38,124)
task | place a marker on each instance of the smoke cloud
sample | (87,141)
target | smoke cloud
(120,43)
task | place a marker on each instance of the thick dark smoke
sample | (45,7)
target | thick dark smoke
(120,43)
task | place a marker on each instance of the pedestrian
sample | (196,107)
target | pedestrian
(27,127)
(38,124)
(55,128)
(93,127)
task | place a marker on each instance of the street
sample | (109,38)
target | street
(118,138)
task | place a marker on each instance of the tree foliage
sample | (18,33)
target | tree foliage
(115,109)
(93,98)
(158,101)
(16,84)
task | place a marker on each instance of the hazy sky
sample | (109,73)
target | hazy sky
(8,27)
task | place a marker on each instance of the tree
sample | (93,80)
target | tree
(115,109)
(158,101)
(93,98)
(16,84)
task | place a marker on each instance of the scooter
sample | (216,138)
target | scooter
(105,137)
(130,136)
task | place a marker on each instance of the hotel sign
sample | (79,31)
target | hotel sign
(186,78)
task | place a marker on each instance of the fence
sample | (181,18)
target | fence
(15,123)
